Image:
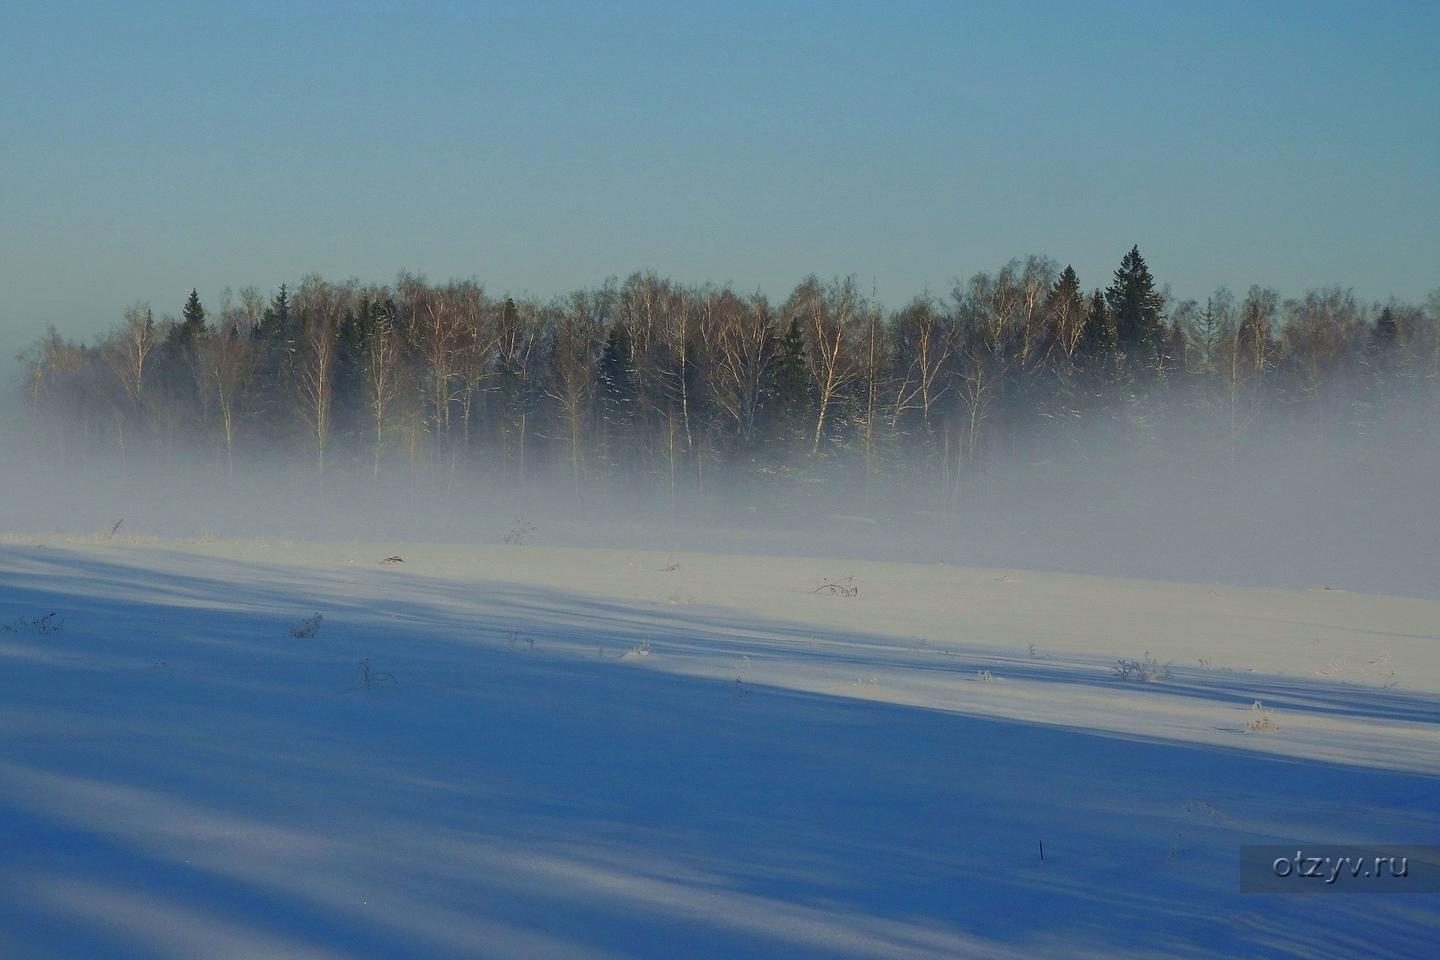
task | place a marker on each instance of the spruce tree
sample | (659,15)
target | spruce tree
(177,354)
(1135,307)
(193,323)
(275,325)
(1067,288)
(1097,340)
(273,369)
(182,337)
(1208,333)
(351,355)
(1065,303)
(792,382)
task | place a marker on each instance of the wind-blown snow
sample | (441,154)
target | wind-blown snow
(592,753)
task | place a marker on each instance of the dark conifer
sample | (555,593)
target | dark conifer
(1067,289)
(1136,309)
(791,399)
(193,324)
(1097,341)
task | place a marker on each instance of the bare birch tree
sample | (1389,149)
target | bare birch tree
(832,318)
(321,307)
(383,374)
(579,325)
(131,352)
(926,341)
(741,338)
(227,366)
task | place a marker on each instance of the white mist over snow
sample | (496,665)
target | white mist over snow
(1293,502)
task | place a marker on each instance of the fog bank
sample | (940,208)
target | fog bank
(1295,502)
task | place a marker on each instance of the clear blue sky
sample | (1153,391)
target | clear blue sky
(149,148)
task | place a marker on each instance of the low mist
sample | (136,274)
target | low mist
(1301,501)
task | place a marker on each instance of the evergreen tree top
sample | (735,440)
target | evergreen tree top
(1136,305)
(1067,287)
(1133,274)
(194,312)
(793,336)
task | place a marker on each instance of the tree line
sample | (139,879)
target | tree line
(649,381)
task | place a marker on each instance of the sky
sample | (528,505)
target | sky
(148,148)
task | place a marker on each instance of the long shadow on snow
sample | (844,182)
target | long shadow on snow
(520,802)
(490,610)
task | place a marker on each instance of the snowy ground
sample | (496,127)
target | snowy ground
(588,753)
